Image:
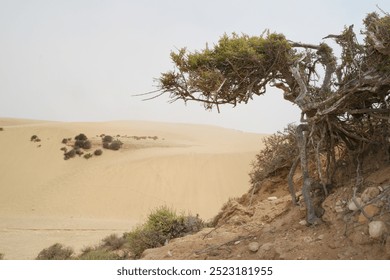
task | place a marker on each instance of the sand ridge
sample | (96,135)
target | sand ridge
(45,199)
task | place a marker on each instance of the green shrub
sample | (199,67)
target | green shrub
(98,254)
(113,242)
(55,252)
(88,156)
(162,224)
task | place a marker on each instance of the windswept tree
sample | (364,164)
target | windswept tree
(344,101)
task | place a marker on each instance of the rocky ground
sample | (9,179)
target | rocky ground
(264,224)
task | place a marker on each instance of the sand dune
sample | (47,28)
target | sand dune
(46,199)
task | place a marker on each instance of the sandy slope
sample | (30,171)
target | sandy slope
(45,199)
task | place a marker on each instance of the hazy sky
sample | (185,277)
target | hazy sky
(79,60)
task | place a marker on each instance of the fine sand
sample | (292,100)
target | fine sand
(45,199)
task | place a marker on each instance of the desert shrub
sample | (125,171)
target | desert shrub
(64,149)
(113,242)
(84,144)
(98,152)
(70,154)
(115,145)
(107,138)
(279,152)
(35,138)
(55,252)
(1,129)
(81,137)
(106,145)
(64,141)
(98,254)
(162,224)
(88,156)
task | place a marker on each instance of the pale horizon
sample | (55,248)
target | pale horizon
(78,61)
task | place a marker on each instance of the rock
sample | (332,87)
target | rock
(272,198)
(303,222)
(237,242)
(254,246)
(338,209)
(169,253)
(266,246)
(321,236)
(377,229)
(370,210)
(352,206)
(370,193)
(307,239)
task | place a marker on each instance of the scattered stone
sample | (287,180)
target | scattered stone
(303,222)
(377,229)
(254,246)
(237,242)
(307,239)
(338,209)
(267,246)
(321,236)
(272,198)
(352,205)
(169,253)
(370,193)
(370,210)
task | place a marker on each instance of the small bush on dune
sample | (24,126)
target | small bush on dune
(107,138)
(81,137)
(1,129)
(88,156)
(98,152)
(55,252)
(70,154)
(115,145)
(64,141)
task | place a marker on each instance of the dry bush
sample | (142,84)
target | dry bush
(98,152)
(162,225)
(279,152)
(70,154)
(1,129)
(107,139)
(88,156)
(55,252)
(113,242)
(115,145)
(98,254)
(81,137)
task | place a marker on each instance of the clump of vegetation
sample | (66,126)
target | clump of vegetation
(56,252)
(64,141)
(70,154)
(35,138)
(1,129)
(107,139)
(81,137)
(98,254)
(113,242)
(278,154)
(115,145)
(88,156)
(98,152)
(162,225)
